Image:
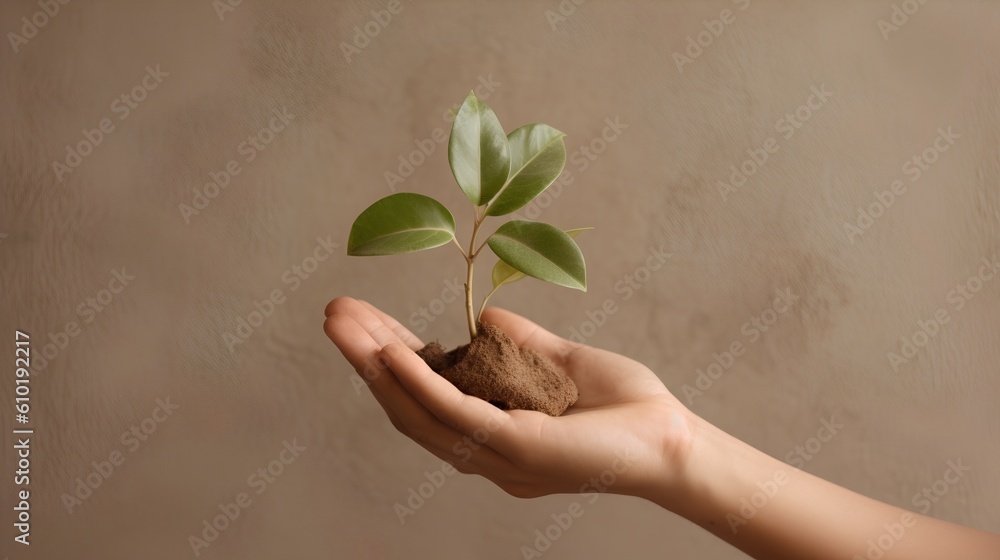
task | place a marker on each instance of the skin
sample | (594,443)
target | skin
(626,416)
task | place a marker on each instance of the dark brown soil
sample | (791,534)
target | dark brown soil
(495,369)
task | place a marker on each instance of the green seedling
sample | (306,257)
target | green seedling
(499,173)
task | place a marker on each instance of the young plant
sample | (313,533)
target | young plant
(499,173)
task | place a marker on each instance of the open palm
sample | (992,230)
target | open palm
(625,429)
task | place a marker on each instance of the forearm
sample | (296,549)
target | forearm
(771,510)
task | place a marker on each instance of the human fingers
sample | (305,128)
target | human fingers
(402,332)
(405,412)
(468,415)
(381,332)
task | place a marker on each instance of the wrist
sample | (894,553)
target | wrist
(693,478)
(712,476)
(679,454)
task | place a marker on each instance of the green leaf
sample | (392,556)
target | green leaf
(537,157)
(478,151)
(401,223)
(542,251)
(503,273)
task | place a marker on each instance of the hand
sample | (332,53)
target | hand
(626,434)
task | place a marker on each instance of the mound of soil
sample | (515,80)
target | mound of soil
(496,370)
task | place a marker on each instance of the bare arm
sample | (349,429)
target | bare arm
(771,510)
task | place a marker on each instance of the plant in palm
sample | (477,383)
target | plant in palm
(499,173)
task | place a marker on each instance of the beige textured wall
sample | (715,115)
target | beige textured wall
(654,187)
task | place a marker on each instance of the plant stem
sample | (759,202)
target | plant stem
(468,302)
(470,259)
(460,249)
(486,299)
(481,245)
